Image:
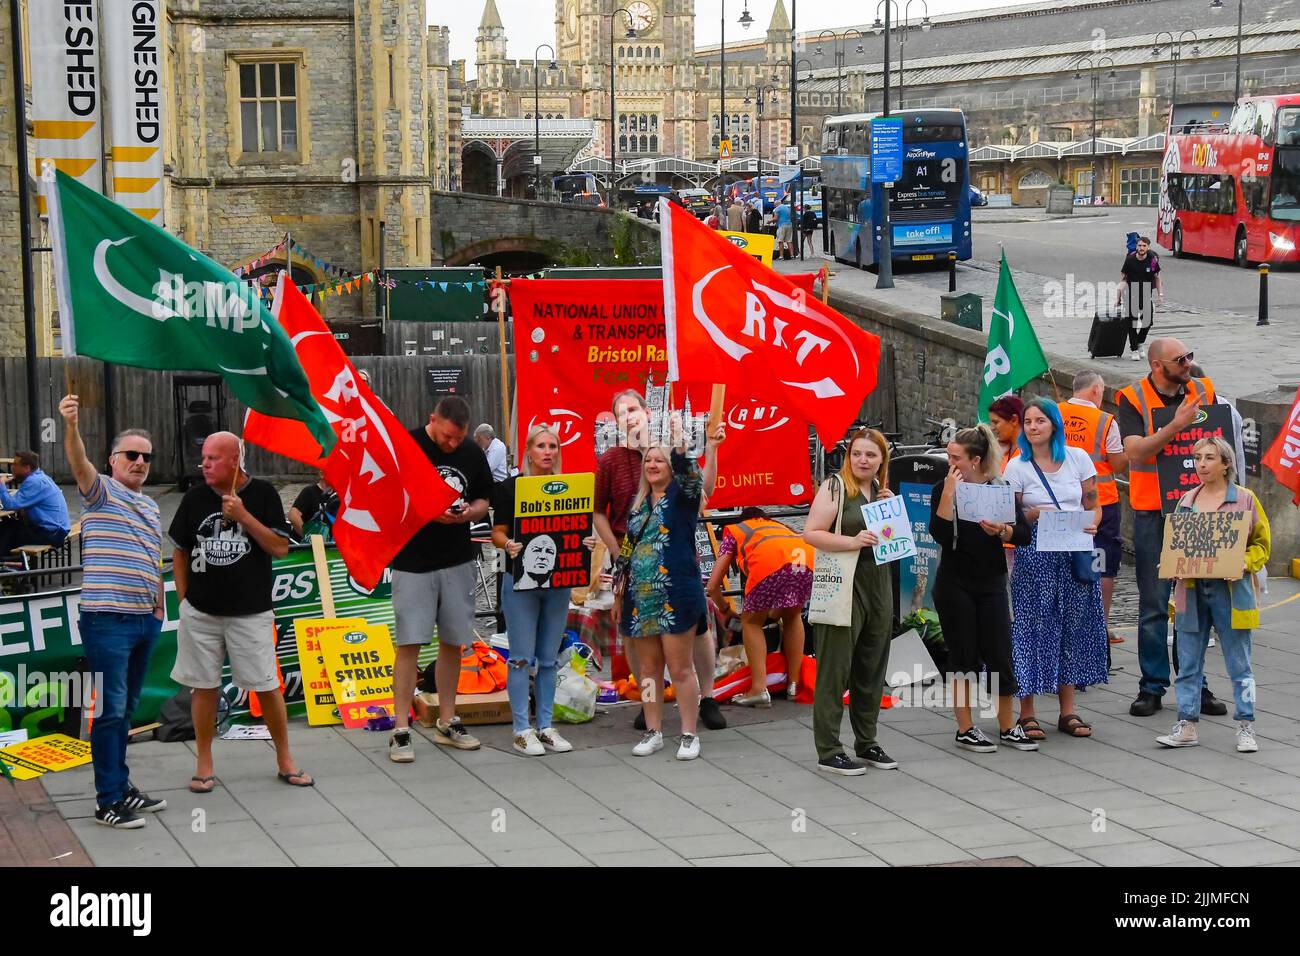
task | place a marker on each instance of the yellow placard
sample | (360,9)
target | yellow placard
(552,519)
(758,244)
(359,659)
(317,689)
(54,752)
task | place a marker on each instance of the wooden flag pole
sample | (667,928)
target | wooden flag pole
(322,575)
(716,410)
(499,304)
(826,285)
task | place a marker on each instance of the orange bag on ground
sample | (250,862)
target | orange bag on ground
(482,670)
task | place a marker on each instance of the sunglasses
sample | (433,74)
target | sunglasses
(1182,359)
(132,455)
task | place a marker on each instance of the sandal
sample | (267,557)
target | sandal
(297,774)
(1071,724)
(1032,728)
(204,784)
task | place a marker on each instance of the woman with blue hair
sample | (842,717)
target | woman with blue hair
(1059,632)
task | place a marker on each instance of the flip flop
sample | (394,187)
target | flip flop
(1032,728)
(289,778)
(210,781)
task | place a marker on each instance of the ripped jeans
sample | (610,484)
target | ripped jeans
(535,625)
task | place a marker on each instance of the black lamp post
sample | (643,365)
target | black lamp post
(837,40)
(761,92)
(537,119)
(1216,6)
(1094,76)
(902,37)
(631,35)
(745,21)
(1175,53)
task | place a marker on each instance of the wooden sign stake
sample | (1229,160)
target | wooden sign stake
(322,575)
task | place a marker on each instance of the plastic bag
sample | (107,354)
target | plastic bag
(575,692)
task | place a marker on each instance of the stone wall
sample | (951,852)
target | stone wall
(11,286)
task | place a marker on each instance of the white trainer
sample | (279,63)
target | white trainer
(526,743)
(553,742)
(652,741)
(1183,735)
(689,748)
(1246,742)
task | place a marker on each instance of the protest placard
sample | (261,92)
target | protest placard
(54,752)
(552,517)
(986,502)
(317,689)
(1063,530)
(360,662)
(1175,466)
(1205,544)
(887,519)
(916,574)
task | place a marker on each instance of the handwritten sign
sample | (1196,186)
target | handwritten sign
(32,758)
(1175,466)
(887,519)
(552,517)
(986,502)
(1205,544)
(1063,531)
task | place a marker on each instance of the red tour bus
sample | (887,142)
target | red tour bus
(1234,192)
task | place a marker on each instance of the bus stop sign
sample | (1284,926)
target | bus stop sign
(886,150)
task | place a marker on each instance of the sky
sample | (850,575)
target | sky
(531,22)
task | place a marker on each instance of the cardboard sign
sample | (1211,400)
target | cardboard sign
(887,519)
(50,753)
(986,502)
(552,517)
(1205,544)
(758,244)
(317,689)
(1063,531)
(360,658)
(1175,466)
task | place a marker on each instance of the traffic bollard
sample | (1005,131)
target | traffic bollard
(1263,294)
(952,272)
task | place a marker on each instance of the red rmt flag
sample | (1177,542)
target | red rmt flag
(388,489)
(733,321)
(1283,458)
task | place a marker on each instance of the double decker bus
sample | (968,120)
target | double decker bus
(1234,192)
(929,207)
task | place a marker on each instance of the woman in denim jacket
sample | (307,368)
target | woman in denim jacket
(1230,607)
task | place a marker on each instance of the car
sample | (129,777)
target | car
(699,202)
(977,197)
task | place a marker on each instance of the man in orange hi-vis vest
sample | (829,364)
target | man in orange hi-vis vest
(1170,383)
(1096,432)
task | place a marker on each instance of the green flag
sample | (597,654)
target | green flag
(133,294)
(1014,356)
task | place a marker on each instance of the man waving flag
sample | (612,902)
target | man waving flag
(1014,356)
(132,293)
(730,320)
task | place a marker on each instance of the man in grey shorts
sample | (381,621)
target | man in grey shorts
(226,531)
(433,579)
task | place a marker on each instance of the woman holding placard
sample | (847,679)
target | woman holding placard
(1228,605)
(852,657)
(535,616)
(970,590)
(1058,633)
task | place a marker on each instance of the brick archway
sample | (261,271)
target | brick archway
(503,244)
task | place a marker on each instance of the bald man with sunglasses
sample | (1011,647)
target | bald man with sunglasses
(1170,384)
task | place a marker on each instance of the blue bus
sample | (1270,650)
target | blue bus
(929,207)
(568,186)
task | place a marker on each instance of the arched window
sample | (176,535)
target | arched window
(645,122)
(622,122)
(716,122)
(654,122)
(744,143)
(744,122)
(716,141)
(658,53)
(1035,179)
(622,144)
(654,144)
(645,144)
(638,53)
(622,52)
(735,120)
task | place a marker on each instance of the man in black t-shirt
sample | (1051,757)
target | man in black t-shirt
(226,532)
(1141,285)
(433,578)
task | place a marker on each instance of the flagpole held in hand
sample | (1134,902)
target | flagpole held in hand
(322,575)
(716,410)
(499,306)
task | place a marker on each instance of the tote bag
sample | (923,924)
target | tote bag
(832,589)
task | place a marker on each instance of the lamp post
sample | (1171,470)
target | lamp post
(761,91)
(631,35)
(1175,53)
(838,40)
(537,119)
(745,21)
(794,112)
(1094,71)
(902,36)
(1216,6)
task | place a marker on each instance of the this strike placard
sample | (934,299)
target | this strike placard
(552,517)
(317,688)
(359,659)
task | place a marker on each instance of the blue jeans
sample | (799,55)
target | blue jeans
(117,650)
(535,625)
(1153,603)
(1214,609)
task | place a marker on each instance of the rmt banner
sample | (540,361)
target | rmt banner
(552,518)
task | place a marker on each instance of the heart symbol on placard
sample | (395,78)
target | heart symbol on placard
(888,532)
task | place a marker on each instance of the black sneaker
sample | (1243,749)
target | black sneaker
(639,723)
(138,802)
(975,739)
(1211,706)
(842,765)
(1016,737)
(118,817)
(879,759)
(711,714)
(1146,704)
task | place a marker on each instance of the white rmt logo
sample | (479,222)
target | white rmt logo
(75,909)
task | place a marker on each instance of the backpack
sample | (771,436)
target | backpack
(174,717)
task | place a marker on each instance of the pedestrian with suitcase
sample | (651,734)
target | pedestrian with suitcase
(1141,286)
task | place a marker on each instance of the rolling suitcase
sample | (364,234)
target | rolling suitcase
(1108,337)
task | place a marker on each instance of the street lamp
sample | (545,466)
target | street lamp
(1175,53)
(837,40)
(631,35)
(537,119)
(761,92)
(1094,70)
(745,21)
(1216,6)
(902,37)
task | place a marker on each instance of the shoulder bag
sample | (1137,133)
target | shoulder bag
(832,586)
(1081,562)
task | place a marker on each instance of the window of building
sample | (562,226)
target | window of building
(654,143)
(744,143)
(1083,182)
(1035,179)
(1139,185)
(268,107)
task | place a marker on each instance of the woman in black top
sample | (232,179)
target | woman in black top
(970,590)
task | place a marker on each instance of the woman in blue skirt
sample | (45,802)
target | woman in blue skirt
(1059,631)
